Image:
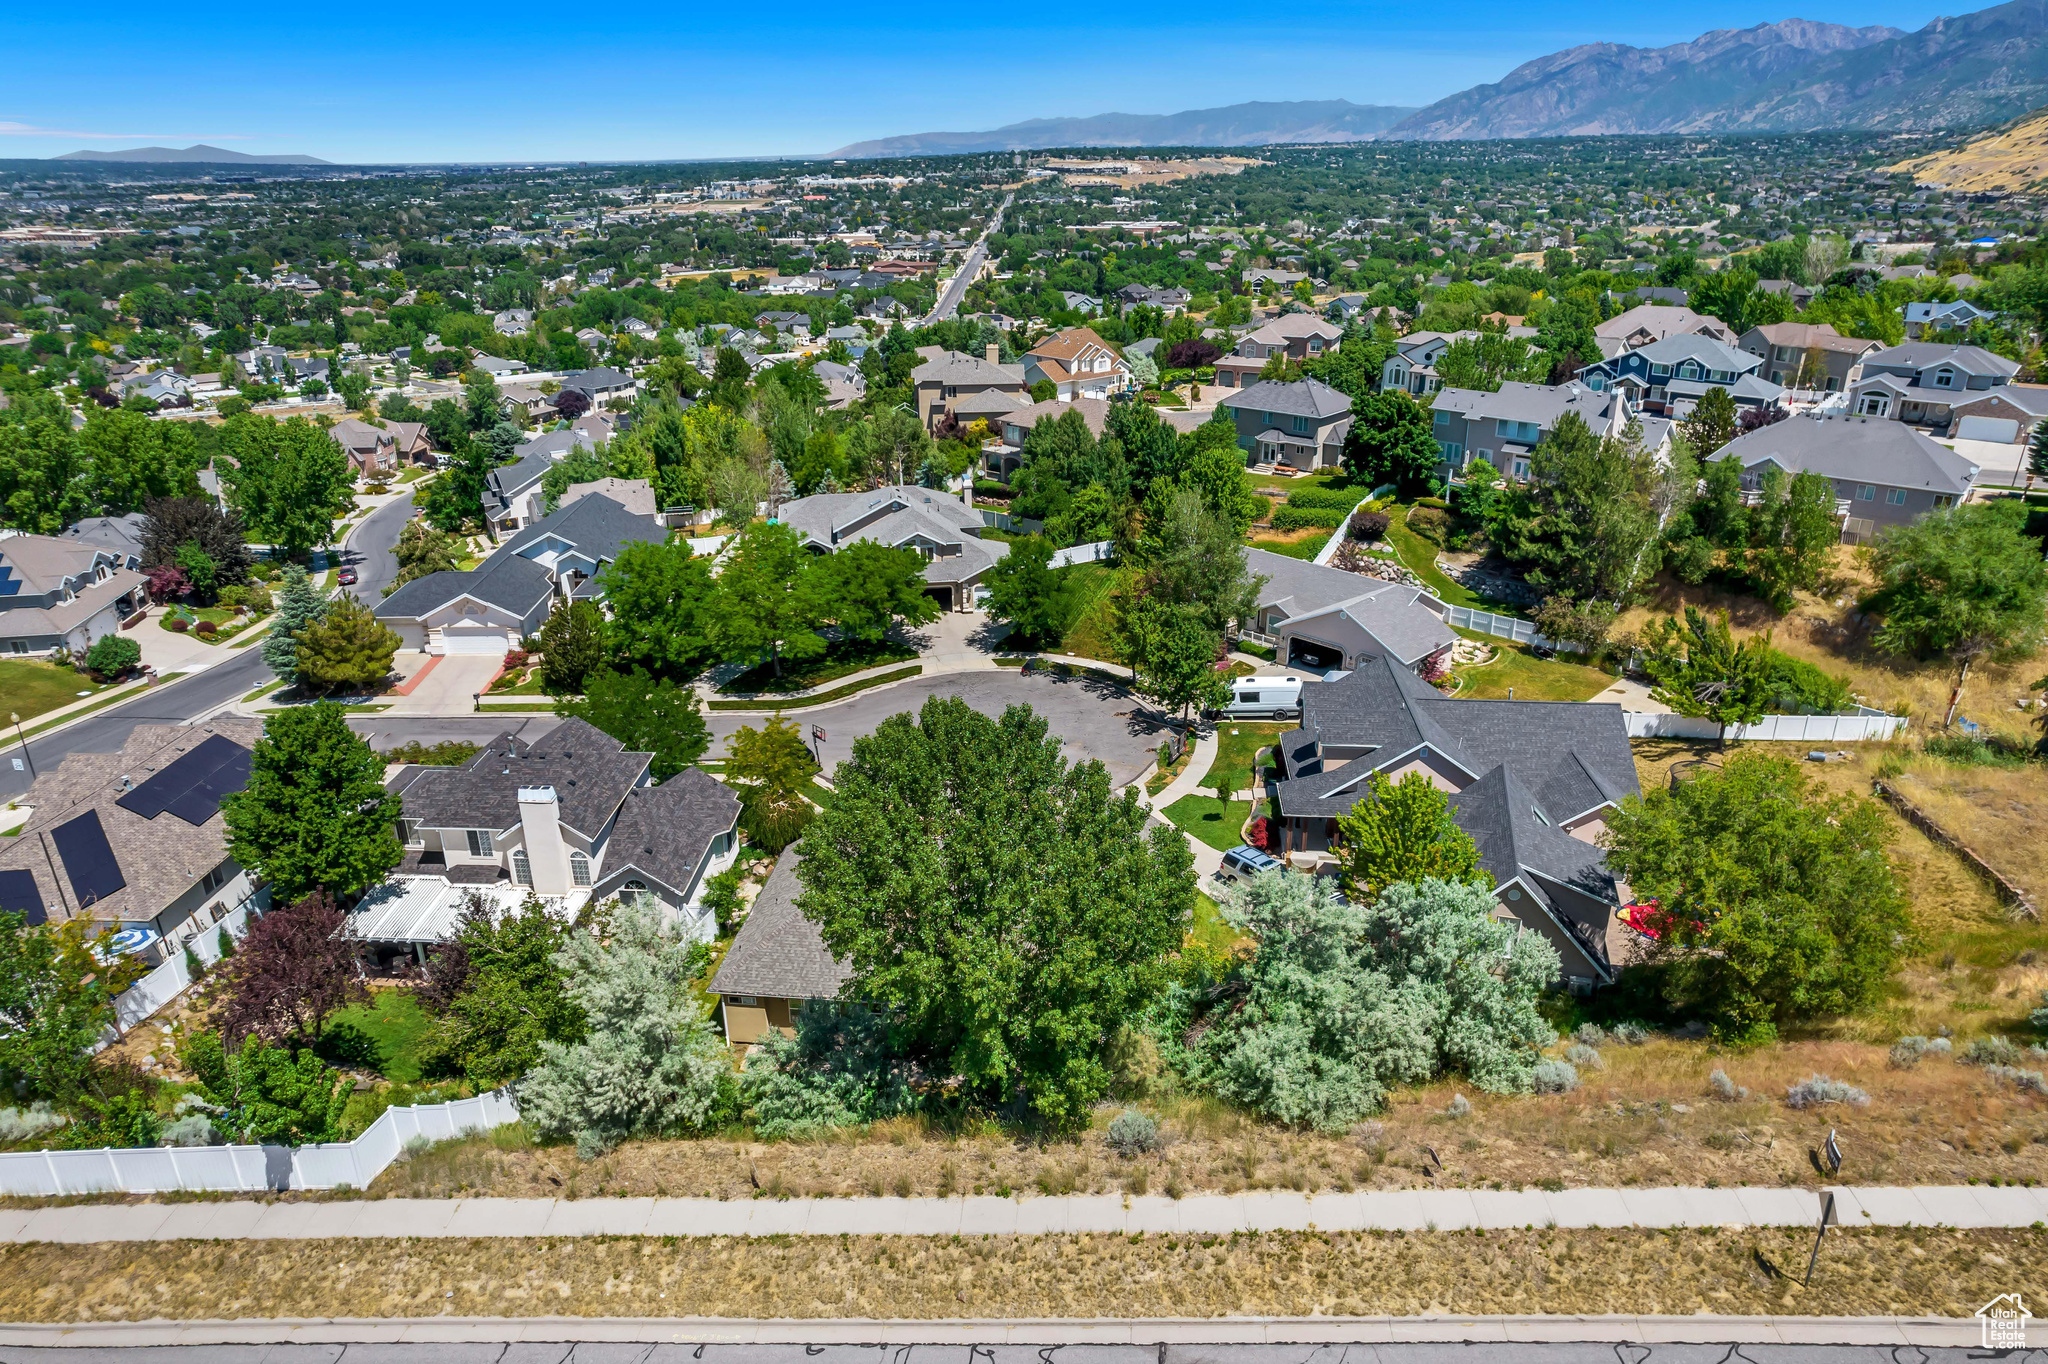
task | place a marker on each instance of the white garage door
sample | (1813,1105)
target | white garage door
(2003,429)
(474,642)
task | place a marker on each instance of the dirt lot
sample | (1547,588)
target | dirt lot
(1862,1272)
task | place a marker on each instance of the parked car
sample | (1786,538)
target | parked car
(1243,862)
(347,577)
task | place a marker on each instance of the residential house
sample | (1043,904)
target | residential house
(1078,364)
(1080,303)
(133,840)
(1532,782)
(778,962)
(497,366)
(1298,336)
(1651,322)
(1885,473)
(1301,424)
(61,593)
(1953,316)
(636,495)
(121,534)
(371,450)
(639,328)
(1811,351)
(845,385)
(1800,294)
(2008,413)
(1665,378)
(513,322)
(593,340)
(601,385)
(1922,382)
(1002,459)
(1319,617)
(524,403)
(573,817)
(1654,293)
(1145,295)
(162,388)
(1280,279)
(308,369)
(951,383)
(942,528)
(490,608)
(1412,366)
(1503,428)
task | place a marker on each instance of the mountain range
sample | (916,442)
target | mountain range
(1256,124)
(1798,75)
(197,153)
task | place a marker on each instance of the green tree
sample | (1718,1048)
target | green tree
(648,1062)
(346,649)
(58,984)
(1795,532)
(504,993)
(765,603)
(1962,583)
(771,769)
(455,499)
(1712,423)
(1173,653)
(1404,831)
(571,647)
(481,402)
(890,446)
(1039,601)
(868,588)
(112,655)
(1006,907)
(1776,900)
(267,1093)
(289,479)
(663,603)
(299,604)
(1585,524)
(1343,1001)
(1488,360)
(42,470)
(646,714)
(2037,456)
(1701,669)
(1392,440)
(315,813)
(422,550)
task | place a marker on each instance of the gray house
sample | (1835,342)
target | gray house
(1503,428)
(1531,781)
(1922,382)
(61,593)
(1301,424)
(945,530)
(1327,618)
(1885,473)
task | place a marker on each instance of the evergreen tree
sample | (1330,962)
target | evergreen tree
(1712,423)
(346,649)
(299,604)
(571,647)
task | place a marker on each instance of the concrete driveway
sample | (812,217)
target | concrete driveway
(449,686)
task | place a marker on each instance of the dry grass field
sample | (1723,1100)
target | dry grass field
(1861,1273)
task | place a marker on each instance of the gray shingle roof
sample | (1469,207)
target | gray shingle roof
(517,585)
(664,831)
(597,526)
(1522,402)
(1928,354)
(779,954)
(1390,612)
(590,771)
(1857,450)
(1301,398)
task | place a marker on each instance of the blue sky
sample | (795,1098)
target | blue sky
(386,82)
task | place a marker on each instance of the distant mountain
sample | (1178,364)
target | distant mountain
(198,153)
(1257,124)
(1794,76)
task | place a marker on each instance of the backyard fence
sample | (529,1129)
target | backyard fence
(1818,729)
(169,980)
(222,1169)
(1502,627)
(1094,552)
(1017,525)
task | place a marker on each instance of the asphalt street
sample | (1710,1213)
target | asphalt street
(956,288)
(368,547)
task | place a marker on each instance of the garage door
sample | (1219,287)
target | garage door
(474,642)
(2003,429)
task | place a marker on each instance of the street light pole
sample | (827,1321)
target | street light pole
(24,744)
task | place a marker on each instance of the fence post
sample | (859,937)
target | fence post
(56,1180)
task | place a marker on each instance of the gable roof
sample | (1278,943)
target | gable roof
(596,525)
(1812,336)
(959,370)
(664,832)
(1516,401)
(1658,319)
(1391,613)
(1929,354)
(590,771)
(1857,450)
(778,953)
(1094,411)
(1299,398)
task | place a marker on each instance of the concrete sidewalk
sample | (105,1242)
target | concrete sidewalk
(1218,1214)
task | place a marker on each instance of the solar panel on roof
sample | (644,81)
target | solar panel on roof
(191,788)
(18,895)
(88,858)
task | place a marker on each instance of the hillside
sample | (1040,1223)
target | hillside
(1256,124)
(2011,160)
(1797,75)
(197,154)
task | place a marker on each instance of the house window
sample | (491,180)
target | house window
(1596,381)
(1866,492)
(1660,371)
(1943,500)
(579,869)
(1895,497)
(1301,424)
(1944,379)
(480,844)
(409,833)
(635,894)
(1453,452)
(522,867)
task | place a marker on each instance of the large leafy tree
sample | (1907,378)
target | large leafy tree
(315,813)
(1173,652)
(1586,522)
(1004,905)
(1700,669)
(58,984)
(663,605)
(646,714)
(765,603)
(169,524)
(345,649)
(571,647)
(498,984)
(290,971)
(269,1093)
(1962,583)
(1404,831)
(1488,360)
(289,479)
(771,769)
(42,470)
(1776,900)
(1039,601)
(1392,440)
(130,459)
(866,589)
(1343,1000)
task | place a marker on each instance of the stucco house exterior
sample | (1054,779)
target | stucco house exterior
(1078,364)
(1503,427)
(942,528)
(1834,361)
(1885,473)
(1666,378)
(969,387)
(62,593)
(1322,617)
(1649,322)
(1002,459)
(1532,782)
(1298,336)
(1923,382)
(1301,424)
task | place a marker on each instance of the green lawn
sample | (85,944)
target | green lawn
(1529,677)
(1206,818)
(1211,929)
(1305,548)
(509,683)
(822,697)
(226,623)
(1419,555)
(396,1024)
(32,686)
(841,660)
(1093,634)
(1235,744)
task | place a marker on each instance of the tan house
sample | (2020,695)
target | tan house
(371,449)
(1078,364)
(951,383)
(777,962)
(1808,355)
(1298,336)
(1649,322)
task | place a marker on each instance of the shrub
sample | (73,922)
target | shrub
(841,1069)
(1628,1034)
(1725,1088)
(180,624)
(1342,499)
(1133,1134)
(1584,1057)
(1907,1051)
(2039,1018)
(191,1123)
(1555,1077)
(1431,523)
(1369,525)
(1592,1034)
(345,1044)
(1307,518)
(1258,833)
(516,658)
(206,627)
(25,1124)
(1458,1107)
(1992,1051)
(112,655)
(1816,1090)
(2023,1079)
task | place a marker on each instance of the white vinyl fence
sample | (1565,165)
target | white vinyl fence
(1503,627)
(167,1169)
(167,981)
(1816,729)
(1094,552)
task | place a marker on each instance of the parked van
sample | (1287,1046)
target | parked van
(1267,697)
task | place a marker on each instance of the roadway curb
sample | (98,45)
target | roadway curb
(1936,1332)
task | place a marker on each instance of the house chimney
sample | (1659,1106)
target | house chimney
(993,351)
(540,826)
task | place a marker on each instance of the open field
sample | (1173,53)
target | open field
(2000,161)
(1753,1272)
(1998,812)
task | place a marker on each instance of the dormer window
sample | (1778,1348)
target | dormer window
(1944,378)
